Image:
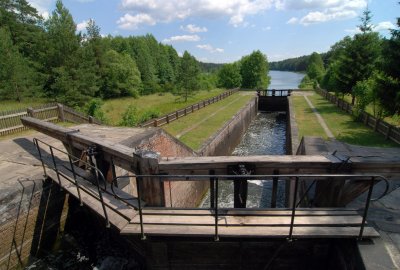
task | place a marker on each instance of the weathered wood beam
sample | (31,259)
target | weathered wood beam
(123,156)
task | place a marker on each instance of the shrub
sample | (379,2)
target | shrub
(130,117)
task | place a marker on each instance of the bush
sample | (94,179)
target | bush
(130,117)
(149,114)
(93,108)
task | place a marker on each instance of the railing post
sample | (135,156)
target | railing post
(274,189)
(212,189)
(30,112)
(155,123)
(296,186)
(55,166)
(216,236)
(76,180)
(91,119)
(36,142)
(138,184)
(177,115)
(61,115)
(167,118)
(387,135)
(364,219)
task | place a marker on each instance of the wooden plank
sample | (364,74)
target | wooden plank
(112,203)
(250,221)
(253,232)
(253,212)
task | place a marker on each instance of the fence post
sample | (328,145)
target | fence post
(167,118)
(185,111)
(388,132)
(30,112)
(366,119)
(376,124)
(155,122)
(177,114)
(61,115)
(91,120)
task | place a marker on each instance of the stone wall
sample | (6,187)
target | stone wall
(224,141)
(31,216)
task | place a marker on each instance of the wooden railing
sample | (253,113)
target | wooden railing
(10,121)
(389,131)
(169,117)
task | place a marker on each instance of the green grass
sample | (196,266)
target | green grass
(8,105)
(306,120)
(393,120)
(199,134)
(342,125)
(114,108)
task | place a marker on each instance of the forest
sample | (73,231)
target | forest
(48,58)
(365,67)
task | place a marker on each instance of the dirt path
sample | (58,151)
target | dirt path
(321,120)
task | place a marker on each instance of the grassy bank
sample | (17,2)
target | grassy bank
(196,128)
(342,125)
(8,105)
(114,108)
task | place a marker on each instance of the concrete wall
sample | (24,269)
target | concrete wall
(31,216)
(292,132)
(224,141)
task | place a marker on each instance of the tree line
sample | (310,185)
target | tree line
(365,66)
(49,58)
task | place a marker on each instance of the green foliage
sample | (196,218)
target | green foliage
(130,117)
(94,108)
(149,114)
(188,76)
(207,81)
(254,71)
(229,76)
(121,76)
(315,69)
(297,64)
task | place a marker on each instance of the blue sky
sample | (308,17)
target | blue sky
(222,31)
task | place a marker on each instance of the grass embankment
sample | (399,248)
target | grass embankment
(342,125)
(393,120)
(8,105)
(196,128)
(166,103)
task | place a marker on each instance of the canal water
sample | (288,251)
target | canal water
(81,249)
(266,135)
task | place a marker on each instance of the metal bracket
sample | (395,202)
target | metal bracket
(340,163)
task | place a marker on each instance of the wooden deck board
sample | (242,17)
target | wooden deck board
(115,218)
(251,220)
(254,232)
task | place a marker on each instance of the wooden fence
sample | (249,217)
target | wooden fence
(169,117)
(10,121)
(389,131)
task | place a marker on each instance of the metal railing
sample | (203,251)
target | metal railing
(73,163)
(274,92)
(215,179)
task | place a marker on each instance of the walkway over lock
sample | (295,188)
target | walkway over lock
(85,178)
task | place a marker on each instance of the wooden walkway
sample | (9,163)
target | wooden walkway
(251,223)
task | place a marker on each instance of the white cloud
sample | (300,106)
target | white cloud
(322,10)
(42,6)
(384,26)
(267,28)
(191,28)
(210,48)
(161,11)
(183,38)
(130,22)
(81,26)
(292,20)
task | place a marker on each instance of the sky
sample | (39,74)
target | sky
(222,31)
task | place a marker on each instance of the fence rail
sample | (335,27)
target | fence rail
(390,132)
(169,117)
(10,121)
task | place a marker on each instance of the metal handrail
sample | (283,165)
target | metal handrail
(97,173)
(373,179)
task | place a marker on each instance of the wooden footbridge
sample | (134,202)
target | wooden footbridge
(90,170)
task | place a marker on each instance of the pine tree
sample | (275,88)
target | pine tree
(189,71)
